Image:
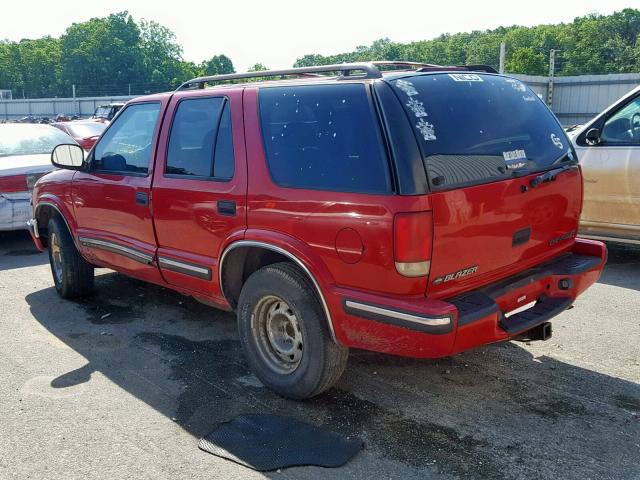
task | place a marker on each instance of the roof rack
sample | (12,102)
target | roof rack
(368,69)
(346,70)
(462,68)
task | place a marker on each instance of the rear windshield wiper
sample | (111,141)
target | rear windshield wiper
(550,175)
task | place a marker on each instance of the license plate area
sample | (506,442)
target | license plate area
(521,308)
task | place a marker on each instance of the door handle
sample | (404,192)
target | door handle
(142,198)
(227,208)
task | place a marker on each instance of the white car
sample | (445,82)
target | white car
(608,149)
(25,155)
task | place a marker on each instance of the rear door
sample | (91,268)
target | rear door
(487,142)
(200,186)
(112,199)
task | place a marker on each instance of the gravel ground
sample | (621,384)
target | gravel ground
(122,385)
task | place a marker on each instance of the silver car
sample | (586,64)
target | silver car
(608,148)
(25,155)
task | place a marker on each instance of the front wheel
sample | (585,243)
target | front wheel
(72,274)
(284,333)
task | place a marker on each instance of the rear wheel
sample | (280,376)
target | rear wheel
(72,274)
(284,333)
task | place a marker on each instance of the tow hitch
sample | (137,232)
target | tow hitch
(541,332)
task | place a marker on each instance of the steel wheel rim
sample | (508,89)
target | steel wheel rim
(56,257)
(278,333)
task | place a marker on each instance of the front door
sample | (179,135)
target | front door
(199,188)
(112,198)
(612,172)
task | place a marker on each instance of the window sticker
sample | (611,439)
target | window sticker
(407,87)
(528,98)
(466,77)
(426,130)
(556,141)
(516,84)
(515,159)
(417,107)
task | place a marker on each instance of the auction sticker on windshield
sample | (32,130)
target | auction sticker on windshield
(515,159)
(466,77)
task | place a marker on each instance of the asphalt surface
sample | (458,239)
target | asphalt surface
(123,384)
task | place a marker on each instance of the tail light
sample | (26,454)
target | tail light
(412,238)
(14,184)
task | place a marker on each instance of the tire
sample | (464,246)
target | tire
(72,274)
(284,333)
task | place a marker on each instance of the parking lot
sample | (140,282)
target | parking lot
(122,385)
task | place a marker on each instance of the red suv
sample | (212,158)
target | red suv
(418,212)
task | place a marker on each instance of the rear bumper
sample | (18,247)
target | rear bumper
(14,213)
(426,328)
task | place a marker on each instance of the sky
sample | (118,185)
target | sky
(276,33)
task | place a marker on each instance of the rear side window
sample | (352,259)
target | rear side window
(200,144)
(323,137)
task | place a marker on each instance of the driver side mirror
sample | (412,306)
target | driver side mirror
(69,156)
(592,137)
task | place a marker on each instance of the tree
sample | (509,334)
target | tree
(10,73)
(527,60)
(257,67)
(162,57)
(217,65)
(40,66)
(103,56)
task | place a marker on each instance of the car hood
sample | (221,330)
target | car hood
(25,164)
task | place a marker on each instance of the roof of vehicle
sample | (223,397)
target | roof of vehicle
(26,126)
(347,72)
(79,122)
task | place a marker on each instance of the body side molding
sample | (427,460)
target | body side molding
(132,253)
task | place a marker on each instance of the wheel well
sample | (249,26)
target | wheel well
(43,214)
(240,263)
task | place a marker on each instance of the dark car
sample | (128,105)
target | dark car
(105,113)
(420,212)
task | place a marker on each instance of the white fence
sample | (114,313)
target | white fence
(580,98)
(574,99)
(50,107)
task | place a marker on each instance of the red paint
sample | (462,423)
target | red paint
(347,241)
(412,236)
(13,184)
(349,245)
(187,223)
(76,131)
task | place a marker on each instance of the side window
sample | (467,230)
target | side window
(323,137)
(126,145)
(624,125)
(200,143)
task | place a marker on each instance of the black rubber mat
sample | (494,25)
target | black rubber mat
(269,442)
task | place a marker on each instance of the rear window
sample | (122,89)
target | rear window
(20,139)
(86,130)
(323,137)
(474,128)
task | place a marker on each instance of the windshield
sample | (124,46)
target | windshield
(475,128)
(102,112)
(17,139)
(86,130)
